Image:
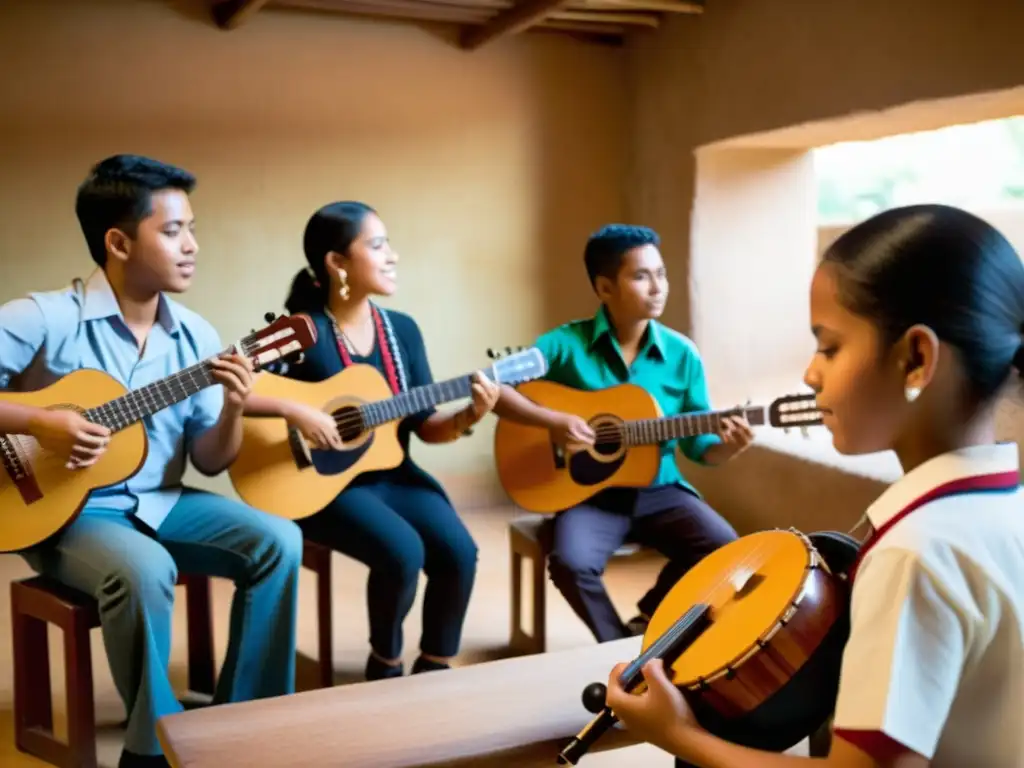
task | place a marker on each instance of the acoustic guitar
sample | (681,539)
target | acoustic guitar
(626,419)
(40,496)
(278,472)
(753,635)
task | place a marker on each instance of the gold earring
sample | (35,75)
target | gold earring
(343,279)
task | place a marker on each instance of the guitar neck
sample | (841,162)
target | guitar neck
(419,399)
(651,431)
(136,405)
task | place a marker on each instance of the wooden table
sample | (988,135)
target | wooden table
(515,712)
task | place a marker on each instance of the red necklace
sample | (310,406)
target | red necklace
(383,343)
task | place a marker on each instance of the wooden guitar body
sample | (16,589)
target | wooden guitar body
(540,478)
(765,672)
(39,496)
(278,473)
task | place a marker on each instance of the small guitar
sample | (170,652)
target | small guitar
(40,496)
(277,471)
(540,477)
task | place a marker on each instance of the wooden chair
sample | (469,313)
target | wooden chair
(39,601)
(530,537)
(317,558)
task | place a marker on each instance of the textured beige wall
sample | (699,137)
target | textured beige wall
(490,168)
(746,67)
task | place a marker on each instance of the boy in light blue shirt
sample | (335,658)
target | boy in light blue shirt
(127,545)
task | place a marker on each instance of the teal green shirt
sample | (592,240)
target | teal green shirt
(584,354)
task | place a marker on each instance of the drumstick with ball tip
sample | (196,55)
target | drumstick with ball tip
(668,648)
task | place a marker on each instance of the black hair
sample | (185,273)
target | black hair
(606,247)
(332,228)
(118,194)
(944,268)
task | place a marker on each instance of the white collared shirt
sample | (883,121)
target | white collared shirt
(935,659)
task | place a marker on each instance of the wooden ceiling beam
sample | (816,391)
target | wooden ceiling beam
(231,14)
(666,6)
(516,19)
(605,17)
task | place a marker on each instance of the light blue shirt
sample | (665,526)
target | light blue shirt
(48,335)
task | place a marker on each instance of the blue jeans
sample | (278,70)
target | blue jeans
(132,574)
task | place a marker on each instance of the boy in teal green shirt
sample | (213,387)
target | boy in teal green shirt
(623,343)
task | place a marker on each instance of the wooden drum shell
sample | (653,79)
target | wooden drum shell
(773,662)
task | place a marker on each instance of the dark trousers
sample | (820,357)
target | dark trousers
(398,530)
(669,519)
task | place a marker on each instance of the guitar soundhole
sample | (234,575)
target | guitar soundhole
(350,423)
(609,443)
(585,469)
(604,458)
(356,438)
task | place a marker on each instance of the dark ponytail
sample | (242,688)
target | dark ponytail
(332,228)
(307,294)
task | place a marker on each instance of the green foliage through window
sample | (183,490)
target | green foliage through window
(977,166)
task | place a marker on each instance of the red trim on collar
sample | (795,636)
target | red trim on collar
(997,481)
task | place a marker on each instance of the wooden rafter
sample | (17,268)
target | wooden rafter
(519,17)
(230,14)
(482,21)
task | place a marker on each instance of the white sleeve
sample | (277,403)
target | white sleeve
(903,661)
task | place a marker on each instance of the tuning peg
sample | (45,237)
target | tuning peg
(805,432)
(508,350)
(270,317)
(785,430)
(491,353)
(749,402)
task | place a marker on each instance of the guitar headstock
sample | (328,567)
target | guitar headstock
(794,411)
(515,367)
(284,336)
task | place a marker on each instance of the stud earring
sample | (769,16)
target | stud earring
(343,279)
(911,393)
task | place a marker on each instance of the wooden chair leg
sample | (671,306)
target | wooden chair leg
(202,676)
(516,633)
(33,703)
(78,682)
(540,632)
(325,621)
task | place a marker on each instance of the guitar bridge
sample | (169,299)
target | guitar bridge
(300,449)
(558,455)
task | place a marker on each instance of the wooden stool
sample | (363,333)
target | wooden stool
(530,536)
(317,558)
(39,601)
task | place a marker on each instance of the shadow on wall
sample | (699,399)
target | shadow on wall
(594,125)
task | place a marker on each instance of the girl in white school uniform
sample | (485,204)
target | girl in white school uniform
(918,316)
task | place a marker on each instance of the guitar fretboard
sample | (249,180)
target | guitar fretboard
(651,431)
(136,405)
(416,400)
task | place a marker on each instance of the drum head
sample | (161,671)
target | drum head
(801,706)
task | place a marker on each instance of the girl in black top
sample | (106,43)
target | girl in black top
(399,521)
